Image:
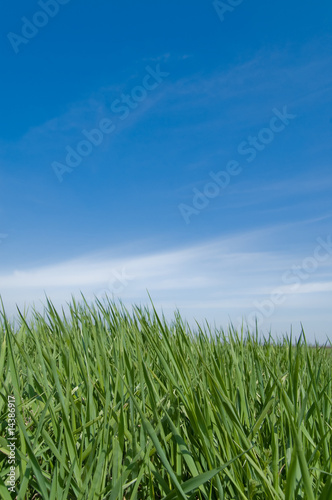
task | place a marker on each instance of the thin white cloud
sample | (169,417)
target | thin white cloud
(217,280)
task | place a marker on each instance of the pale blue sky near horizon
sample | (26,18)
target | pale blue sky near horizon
(177,95)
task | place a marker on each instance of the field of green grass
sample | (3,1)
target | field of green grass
(112,404)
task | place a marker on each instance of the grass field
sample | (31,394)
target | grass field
(115,404)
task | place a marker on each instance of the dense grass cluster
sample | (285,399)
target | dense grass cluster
(118,405)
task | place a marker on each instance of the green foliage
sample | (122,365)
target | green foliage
(114,405)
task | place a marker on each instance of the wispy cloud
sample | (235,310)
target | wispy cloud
(217,279)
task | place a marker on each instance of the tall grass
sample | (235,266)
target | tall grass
(113,405)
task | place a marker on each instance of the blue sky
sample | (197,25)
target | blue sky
(178,95)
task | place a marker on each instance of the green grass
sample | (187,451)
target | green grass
(113,405)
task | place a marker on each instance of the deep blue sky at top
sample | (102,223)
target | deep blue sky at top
(225,78)
(131,189)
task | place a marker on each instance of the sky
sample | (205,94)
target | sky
(177,149)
